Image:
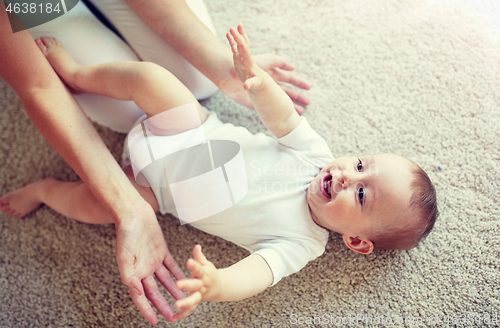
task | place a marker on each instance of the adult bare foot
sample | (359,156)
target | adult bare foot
(21,202)
(60,59)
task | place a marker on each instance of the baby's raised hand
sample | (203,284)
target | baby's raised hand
(246,68)
(204,284)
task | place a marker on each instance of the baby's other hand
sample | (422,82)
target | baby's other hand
(204,284)
(245,66)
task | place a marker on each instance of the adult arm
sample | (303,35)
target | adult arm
(141,250)
(177,25)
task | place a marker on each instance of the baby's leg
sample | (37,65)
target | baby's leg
(150,86)
(71,199)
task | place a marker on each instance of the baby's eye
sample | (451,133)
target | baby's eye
(361,195)
(359,166)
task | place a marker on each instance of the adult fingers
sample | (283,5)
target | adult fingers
(273,61)
(166,280)
(299,109)
(173,267)
(287,77)
(295,95)
(141,302)
(154,295)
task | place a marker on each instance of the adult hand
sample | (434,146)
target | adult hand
(141,251)
(280,70)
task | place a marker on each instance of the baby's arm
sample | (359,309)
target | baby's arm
(244,279)
(275,108)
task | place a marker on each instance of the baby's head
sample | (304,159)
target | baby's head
(376,202)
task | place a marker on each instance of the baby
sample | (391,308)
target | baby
(375,201)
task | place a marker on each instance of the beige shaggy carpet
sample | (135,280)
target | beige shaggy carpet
(419,78)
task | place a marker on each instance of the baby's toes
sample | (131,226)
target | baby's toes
(56,42)
(41,46)
(50,41)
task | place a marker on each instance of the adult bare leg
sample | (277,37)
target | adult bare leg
(71,199)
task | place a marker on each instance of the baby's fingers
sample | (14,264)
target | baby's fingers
(196,268)
(198,255)
(232,43)
(190,285)
(252,83)
(187,305)
(240,41)
(184,313)
(241,30)
(190,301)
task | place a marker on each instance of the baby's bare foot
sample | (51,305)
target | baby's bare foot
(21,202)
(60,60)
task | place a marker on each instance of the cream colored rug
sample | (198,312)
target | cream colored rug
(416,78)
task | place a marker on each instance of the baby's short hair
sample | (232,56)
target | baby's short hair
(423,206)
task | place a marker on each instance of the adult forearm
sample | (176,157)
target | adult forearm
(63,124)
(61,121)
(177,25)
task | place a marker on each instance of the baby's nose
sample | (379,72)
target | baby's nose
(346,182)
(348,178)
(342,179)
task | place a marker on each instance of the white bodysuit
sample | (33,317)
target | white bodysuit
(273,219)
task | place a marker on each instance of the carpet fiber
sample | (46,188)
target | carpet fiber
(416,78)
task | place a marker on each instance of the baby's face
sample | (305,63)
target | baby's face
(359,196)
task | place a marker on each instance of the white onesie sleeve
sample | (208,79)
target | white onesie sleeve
(287,256)
(308,143)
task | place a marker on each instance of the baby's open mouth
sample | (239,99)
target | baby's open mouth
(327,186)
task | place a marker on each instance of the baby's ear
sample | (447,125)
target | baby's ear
(363,246)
